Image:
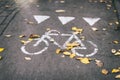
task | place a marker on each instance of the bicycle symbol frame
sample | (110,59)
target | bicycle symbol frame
(72,36)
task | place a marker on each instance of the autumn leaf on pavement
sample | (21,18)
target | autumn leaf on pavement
(113,51)
(99,63)
(117,76)
(104,71)
(117,53)
(8,35)
(58,51)
(21,36)
(94,29)
(72,55)
(0,57)
(66,53)
(84,60)
(2,49)
(116,42)
(115,70)
(34,36)
(27,58)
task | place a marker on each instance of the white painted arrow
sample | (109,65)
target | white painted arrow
(40,18)
(91,21)
(65,20)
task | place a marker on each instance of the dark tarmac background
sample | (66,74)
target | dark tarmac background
(16,18)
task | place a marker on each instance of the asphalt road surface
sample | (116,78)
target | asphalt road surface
(53,20)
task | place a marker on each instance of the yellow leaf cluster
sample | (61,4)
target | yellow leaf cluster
(116,52)
(77,30)
(72,45)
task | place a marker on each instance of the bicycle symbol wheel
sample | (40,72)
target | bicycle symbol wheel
(39,40)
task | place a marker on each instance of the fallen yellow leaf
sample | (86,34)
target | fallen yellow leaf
(25,42)
(27,58)
(8,36)
(60,11)
(117,53)
(84,60)
(34,36)
(66,53)
(94,29)
(58,51)
(0,57)
(74,28)
(2,49)
(72,55)
(115,70)
(117,76)
(115,41)
(21,36)
(104,71)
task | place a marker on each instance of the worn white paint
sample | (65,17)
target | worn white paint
(64,20)
(72,36)
(40,18)
(91,21)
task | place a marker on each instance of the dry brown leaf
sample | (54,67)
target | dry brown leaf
(2,49)
(104,71)
(34,36)
(117,76)
(99,63)
(28,58)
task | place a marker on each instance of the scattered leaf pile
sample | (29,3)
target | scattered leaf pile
(116,71)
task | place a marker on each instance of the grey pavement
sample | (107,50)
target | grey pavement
(17,17)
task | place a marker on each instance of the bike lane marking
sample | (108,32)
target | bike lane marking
(71,37)
(91,21)
(40,18)
(64,20)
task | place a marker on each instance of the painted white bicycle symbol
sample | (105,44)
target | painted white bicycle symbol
(47,36)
